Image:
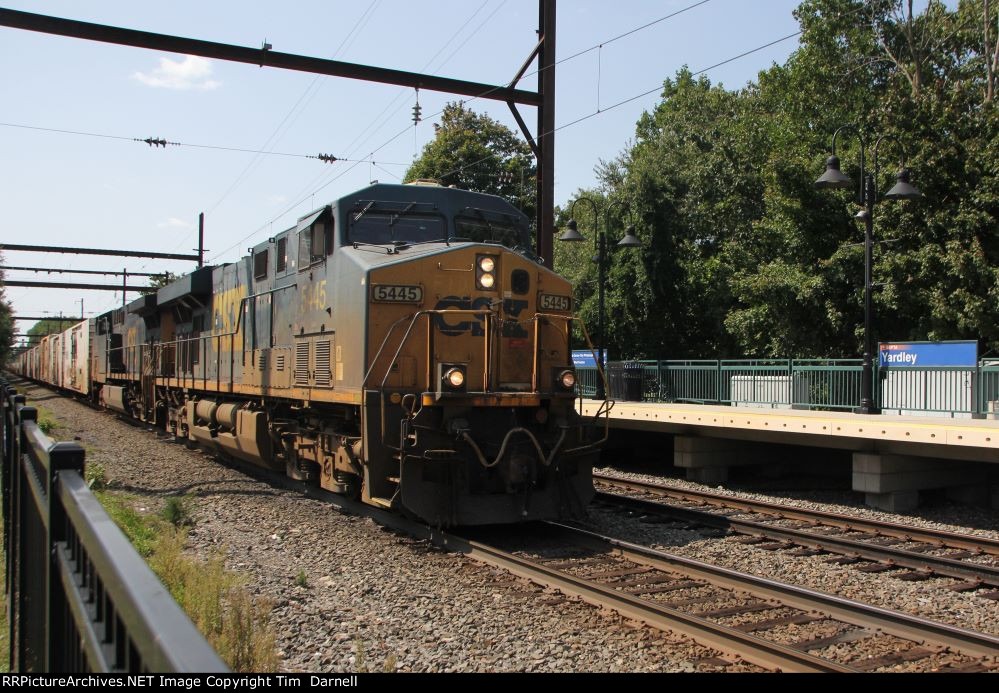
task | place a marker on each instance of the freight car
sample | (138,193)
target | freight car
(402,345)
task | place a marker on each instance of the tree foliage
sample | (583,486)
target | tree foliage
(6,323)
(474,152)
(744,257)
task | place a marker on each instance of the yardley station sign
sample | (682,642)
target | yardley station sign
(928,354)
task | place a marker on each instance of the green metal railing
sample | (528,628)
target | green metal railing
(824,384)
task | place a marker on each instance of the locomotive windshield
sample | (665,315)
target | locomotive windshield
(484,231)
(377,227)
(388,222)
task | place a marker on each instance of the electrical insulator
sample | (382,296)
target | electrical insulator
(417,110)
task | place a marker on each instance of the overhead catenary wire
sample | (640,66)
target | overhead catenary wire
(601,111)
(307,95)
(483,159)
(340,174)
(354,162)
(304,193)
(158,142)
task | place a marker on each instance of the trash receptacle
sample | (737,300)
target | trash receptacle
(626,380)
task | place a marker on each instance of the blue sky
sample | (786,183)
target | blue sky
(60,189)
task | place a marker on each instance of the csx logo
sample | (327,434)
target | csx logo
(457,326)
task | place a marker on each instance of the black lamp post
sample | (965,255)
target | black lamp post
(867,197)
(630,240)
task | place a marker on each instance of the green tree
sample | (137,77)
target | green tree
(474,152)
(160,280)
(745,258)
(6,323)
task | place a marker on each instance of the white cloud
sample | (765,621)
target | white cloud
(173,223)
(277,199)
(192,72)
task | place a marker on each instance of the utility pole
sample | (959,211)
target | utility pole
(546,131)
(201,240)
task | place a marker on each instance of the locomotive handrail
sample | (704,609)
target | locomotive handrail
(214,335)
(80,597)
(413,317)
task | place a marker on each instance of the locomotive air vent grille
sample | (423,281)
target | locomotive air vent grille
(262,361)
(279,362)
(302,363)
(324,376)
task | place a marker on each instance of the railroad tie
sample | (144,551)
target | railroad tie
(621,572)
(736,610)
(969,586)
(646,581)
(641,590)
(915,576)
(874,567)
(560,563)
(799,619)
(847,636)
(909,655)
(693,601)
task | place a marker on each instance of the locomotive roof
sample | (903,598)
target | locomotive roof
(449,200)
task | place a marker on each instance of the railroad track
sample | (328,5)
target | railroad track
(742,617)
(872,546)
(764,622)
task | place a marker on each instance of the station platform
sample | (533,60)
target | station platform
(893,456)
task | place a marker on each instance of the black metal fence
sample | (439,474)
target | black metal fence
(79,597)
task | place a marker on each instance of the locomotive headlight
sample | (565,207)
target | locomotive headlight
(452,377)
(485,272)
(455,378)
(567,379)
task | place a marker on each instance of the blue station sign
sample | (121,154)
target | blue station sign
(917,354)
(583,358)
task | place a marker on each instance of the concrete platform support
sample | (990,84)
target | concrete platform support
(892,482)
(707,460)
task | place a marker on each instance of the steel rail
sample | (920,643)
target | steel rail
(751,648)
(889,529)
(895,623)
(901,558)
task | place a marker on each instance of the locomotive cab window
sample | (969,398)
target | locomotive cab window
(386,223)
(260,265)
(483,230)
(314,238)
(282,254)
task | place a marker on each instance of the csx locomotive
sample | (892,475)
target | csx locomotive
(402,345)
